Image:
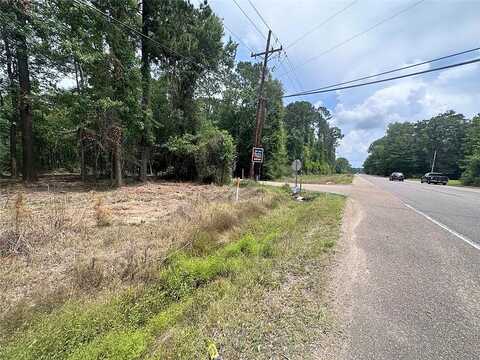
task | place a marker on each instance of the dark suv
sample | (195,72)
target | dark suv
(434,178)
(397,176)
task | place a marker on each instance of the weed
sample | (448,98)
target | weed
(220,220)
(103,214)
(88,275)
(14,237)
(203,243)
(57,213)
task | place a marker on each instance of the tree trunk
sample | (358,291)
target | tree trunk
(144,142)
(14,115)
(118,165)
(25,102)
(95,168)
(83,167)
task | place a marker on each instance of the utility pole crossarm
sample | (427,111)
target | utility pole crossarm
(271,51)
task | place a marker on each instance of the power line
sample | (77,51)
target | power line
(384,80)
(238,38)
(290,65)
(326,21)
(396,70)
(292,70)
(287,74)
(260,15)
(346,41)
(250,19)
(139,33)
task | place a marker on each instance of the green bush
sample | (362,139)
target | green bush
(471,175)
(181,156)
(214,157)
(207,156)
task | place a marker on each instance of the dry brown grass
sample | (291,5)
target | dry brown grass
(103,215)
(63,253)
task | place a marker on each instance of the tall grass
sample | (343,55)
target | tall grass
(161,319)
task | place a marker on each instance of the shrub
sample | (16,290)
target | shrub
(181,156)
(471,175)
(102,213)
(214,158)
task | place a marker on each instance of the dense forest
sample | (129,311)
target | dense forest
(411,148)
(127,88)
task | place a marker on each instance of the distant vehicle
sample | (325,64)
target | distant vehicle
(434,178)
(397,176)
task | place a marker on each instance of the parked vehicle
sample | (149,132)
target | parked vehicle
(434,178)
(397,176)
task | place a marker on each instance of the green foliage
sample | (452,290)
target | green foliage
(342,166)
(118,345)
(310,137)
(471,173)
(215,155)
(181,153)
(115,88)
(207,156)
(409,147)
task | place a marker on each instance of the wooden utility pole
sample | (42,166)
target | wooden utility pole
(261,105)
(434,159)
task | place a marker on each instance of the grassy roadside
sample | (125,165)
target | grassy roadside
(257,293)
(336,179)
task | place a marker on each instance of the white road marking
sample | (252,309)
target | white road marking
(445,227)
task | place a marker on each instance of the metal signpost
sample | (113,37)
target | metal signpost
(257,158)
(257,155)
(296,167)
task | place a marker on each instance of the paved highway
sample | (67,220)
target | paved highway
(407,280)
(455,207)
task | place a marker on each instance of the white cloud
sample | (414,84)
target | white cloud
(428,31)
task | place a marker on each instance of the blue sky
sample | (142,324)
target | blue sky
(431,29)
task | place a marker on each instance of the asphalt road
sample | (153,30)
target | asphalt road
(407,283)
(455,207)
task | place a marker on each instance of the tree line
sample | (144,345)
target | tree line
(411,148)
(145,88)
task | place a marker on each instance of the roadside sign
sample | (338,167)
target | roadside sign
(257,155)
(296,165)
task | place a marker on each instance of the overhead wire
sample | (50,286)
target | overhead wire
(250,19)
(229,29)
(323,23)
(139,33)
(463,63)
(361,33)
(297,82)
(259,14)
(398,69)
(238,38)
(289,62)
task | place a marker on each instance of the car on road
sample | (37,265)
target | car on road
(397,176)
(434,178)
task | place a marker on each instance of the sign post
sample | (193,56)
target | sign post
(257,157)
(296,167)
